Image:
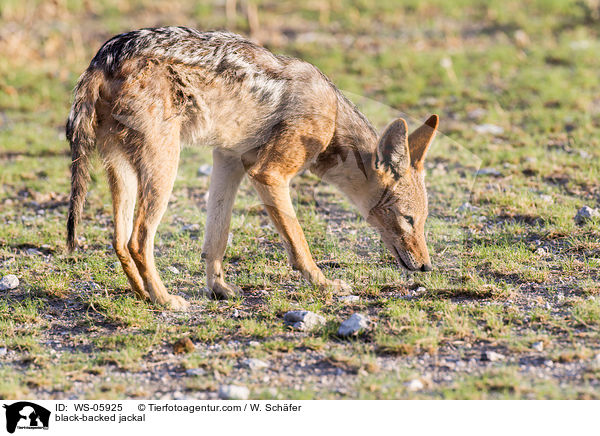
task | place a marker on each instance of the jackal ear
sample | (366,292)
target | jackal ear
(392,150)
(420,140)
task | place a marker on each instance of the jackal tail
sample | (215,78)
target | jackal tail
(81,134)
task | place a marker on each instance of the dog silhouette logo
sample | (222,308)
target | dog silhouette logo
(26,415)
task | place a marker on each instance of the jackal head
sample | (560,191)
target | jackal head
(398,192)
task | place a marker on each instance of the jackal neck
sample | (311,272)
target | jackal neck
(348,160)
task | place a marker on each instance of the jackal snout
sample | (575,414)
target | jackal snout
(399,185)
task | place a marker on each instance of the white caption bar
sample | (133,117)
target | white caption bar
(283,418)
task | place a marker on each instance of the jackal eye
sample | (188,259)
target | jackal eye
(410,220)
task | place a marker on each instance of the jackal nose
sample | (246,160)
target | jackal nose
(426,267)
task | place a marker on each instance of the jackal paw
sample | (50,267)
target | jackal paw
(142,294)
(222,291)
(177,303)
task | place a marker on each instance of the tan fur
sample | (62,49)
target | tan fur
(269,118)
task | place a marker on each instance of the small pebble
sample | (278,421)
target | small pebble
(303,320)
(173,269)
(491,356)
(492,129)
(586,214)
(466,207)
(476,114)
(195,372)
(347,299)
(9,281)
(233,392)
(538,346)
(254,364)
(414,385)
(204,170)
(354,325)
(489,172)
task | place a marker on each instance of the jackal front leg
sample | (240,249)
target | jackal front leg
(225,179)
(275,195)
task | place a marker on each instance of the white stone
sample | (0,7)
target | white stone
(9,281)
(414,385)
(466,207)
(195,372)
(446,62)
(3,351)
(303,320)
(353,325)
(489,128)
(580,44)
(538,346)
(173,269)
(191,227)
(585,214)
(476,114)
(233,392)
(347,299)
(489,172)
(491,356)
(204,170)
(254,364)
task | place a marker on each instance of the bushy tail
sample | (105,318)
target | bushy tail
(82,137)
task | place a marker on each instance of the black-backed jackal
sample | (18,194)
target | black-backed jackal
(266,116)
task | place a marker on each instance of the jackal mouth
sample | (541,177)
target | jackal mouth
(401,260)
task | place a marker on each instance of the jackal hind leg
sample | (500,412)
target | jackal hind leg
(157,168)
(123,186)
(226,176)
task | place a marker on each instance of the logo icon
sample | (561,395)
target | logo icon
(26,415)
